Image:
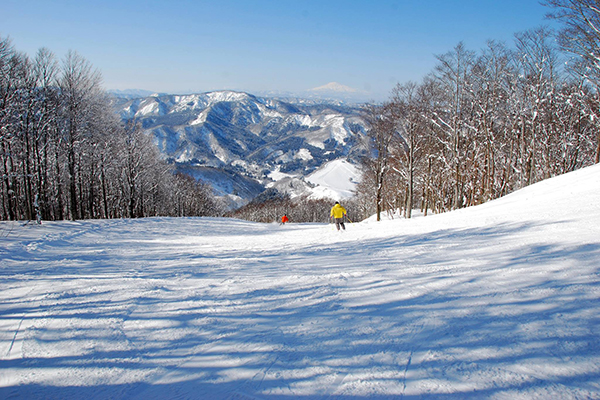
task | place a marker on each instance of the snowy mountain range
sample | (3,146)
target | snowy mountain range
(242,144)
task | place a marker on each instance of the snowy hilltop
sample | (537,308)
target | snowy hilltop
(235,140)
(498,301)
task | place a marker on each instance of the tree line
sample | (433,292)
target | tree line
(481,125)
(65,154)
(271,205)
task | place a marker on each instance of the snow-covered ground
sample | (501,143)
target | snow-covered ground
(335,180)
(498,301)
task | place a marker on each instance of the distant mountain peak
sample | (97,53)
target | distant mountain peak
(334,87)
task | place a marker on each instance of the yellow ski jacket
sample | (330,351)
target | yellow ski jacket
(338,211)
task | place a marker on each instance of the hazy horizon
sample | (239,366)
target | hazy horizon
(262,46)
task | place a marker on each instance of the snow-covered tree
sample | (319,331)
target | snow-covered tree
(452,116)
(580,36)
(482,125)
(409,108)
(382,133)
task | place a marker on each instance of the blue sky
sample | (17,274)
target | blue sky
(183,46)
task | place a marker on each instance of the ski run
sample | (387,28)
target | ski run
(498,301)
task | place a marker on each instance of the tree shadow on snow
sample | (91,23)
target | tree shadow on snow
(450,314)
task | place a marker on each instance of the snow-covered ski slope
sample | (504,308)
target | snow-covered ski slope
(499,301)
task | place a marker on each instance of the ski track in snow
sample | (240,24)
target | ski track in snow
(497,301)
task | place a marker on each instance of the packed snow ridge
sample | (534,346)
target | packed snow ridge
(498,301)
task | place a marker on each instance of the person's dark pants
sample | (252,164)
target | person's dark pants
(340,222)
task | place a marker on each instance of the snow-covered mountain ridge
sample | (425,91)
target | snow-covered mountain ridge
(235,140)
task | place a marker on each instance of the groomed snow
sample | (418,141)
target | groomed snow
(498,301)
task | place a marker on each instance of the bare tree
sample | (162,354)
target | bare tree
(80,88)
(14,74)
(491,77)
(581,37)
(452,116)
(537,60)
(382,130)
(408,105)
(45,93)
(581,33)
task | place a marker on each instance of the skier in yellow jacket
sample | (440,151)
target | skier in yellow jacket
(337,214)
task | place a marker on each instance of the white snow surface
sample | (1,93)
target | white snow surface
(335,180)
(498,301)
